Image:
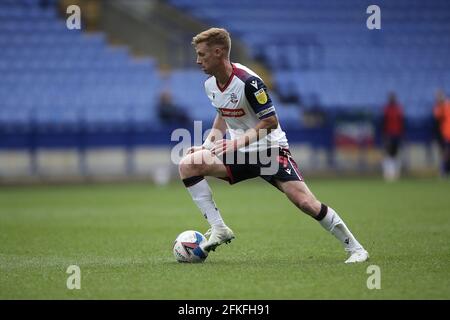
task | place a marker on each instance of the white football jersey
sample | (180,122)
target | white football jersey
(242,103)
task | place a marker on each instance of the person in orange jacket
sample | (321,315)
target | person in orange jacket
(442,115)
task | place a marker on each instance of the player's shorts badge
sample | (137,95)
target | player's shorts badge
(261,96)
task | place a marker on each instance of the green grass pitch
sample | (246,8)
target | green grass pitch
(121,237)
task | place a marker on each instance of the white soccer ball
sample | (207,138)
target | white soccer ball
(186,247)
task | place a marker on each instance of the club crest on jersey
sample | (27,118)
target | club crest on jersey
(261,96)
(233,98)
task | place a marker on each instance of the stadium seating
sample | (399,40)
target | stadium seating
(54,76)
(324,48)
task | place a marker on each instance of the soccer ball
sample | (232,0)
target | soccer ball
(186,247)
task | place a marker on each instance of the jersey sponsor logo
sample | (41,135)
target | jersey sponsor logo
(234,98)
(232,113)
(288,171)
(255,84)
(261,96)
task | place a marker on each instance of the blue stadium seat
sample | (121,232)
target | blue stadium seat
(362,67)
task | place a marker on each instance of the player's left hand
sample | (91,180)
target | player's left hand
(224,146)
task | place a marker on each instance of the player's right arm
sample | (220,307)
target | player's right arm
(217,132)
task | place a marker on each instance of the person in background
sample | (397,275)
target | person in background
(393,128)
(441,112)
(169,112)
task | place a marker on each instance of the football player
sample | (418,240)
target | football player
(245,109)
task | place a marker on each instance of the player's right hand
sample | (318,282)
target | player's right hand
(194,149)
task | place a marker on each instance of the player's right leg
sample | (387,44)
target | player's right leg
(193,168)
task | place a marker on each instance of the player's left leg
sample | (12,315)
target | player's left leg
(299,194)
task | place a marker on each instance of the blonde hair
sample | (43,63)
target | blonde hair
(214,36)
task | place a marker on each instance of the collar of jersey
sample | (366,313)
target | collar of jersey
(228,82)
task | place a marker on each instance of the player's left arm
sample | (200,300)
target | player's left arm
(260,102)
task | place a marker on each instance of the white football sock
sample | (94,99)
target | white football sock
(334,224)
(202,196)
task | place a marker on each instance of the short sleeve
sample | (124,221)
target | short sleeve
(258,98)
